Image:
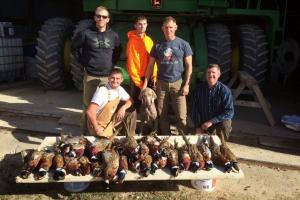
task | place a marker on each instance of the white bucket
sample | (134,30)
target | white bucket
(76,186)
(207,185)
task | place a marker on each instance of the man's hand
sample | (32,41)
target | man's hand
(98,130)
(206,125)
(143,86)
(154,81)
(121,113)
(185,90)
(200,131)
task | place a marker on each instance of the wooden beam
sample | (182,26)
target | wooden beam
(232,80)
(252,104)
(238,91)
(264,105)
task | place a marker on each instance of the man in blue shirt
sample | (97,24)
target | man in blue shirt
(173,56)
(212,104)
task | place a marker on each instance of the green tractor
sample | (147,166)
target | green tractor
(237,34)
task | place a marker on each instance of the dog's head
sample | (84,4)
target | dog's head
(147,97)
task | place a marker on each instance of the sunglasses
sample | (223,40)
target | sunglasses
(101,16)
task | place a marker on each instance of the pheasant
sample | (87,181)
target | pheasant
(58,165)
(131,150)
(184,158)
(72,166)
(197,161)
(85,166)
(31,160)
(123,168)
(172,160)
(222,155)
(146,165)
(45,164)
(206,152)
(97,147)
(111,165)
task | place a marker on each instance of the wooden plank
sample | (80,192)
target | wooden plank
(247,79)
(244,103)
(238,91)
(232,80)
(194,139)
(216,172)
(244,92)
(264,105)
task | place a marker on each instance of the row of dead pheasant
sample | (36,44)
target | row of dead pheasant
(112,158)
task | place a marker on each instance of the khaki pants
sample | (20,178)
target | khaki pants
(222,129)
(90,84)
(126,126)
(171,93)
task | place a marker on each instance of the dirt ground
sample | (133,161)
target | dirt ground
(260,182)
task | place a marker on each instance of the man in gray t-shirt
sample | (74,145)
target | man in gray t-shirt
(171,55)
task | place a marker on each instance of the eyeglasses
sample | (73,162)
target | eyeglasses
(101,16)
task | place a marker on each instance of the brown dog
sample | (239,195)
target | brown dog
(148,109)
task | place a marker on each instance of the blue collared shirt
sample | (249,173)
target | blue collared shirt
(214,104)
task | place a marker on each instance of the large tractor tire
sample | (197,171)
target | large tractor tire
(219,48)
(76,66)
(253,51)
(53,53)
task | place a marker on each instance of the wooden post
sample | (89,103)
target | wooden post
(262,101)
